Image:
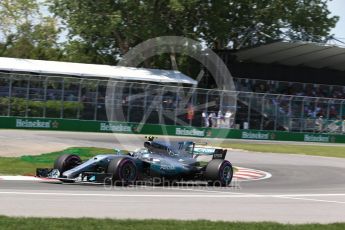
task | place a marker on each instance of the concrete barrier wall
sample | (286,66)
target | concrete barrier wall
(151,129)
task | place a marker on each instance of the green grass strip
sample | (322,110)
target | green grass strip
(326,151)
(104,224)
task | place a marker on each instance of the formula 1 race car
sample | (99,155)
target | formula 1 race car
(157,161)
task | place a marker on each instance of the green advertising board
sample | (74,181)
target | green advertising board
(153,129)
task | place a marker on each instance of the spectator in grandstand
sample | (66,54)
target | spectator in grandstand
(319,124)
(125,100)
(190,113)
(205,119)
(71,97)
(168,103)
(227,119)
(311,113)
(333,113)
(319,111)
(220,119)
(213,119)
(51,96)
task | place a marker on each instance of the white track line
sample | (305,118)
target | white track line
(24,178)
(243,174)
(219,195)
(315,200)
(20,178)
(201,190)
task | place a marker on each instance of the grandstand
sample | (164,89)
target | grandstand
(34,88)
(302,83)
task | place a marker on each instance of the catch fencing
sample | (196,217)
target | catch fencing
(58,97)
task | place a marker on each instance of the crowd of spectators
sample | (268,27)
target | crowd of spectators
(314,105)
(289,88)
(218,119)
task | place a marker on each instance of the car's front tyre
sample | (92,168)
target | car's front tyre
(66,162)
(124,171)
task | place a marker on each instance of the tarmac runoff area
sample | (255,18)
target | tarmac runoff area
(302,189)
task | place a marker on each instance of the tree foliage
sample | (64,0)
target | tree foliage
(108,27)
(252,22)
(15,13)
(112,27)
(26,33)
(102,31)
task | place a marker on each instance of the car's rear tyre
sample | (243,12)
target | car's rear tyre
(66,162)
(219,173)
(124,171)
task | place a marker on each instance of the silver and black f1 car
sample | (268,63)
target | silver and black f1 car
(157,160)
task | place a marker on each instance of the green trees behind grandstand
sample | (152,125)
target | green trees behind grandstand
(101,31)
(25,32)
(19,106)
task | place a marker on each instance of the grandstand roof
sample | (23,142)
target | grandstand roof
(308,54)
(92,70)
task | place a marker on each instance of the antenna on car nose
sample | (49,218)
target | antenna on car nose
(150,138)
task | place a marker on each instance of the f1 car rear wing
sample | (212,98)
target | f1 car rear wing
(219,154)
(200,149)
(215,152)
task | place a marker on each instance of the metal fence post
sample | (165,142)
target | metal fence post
(262,112)
(27,97)
(79,97)
(177,104)
(328,108)
(276,112)
(62,98)
(112,101)
(302,115)
(96,101)
(290,115)
(160,107)
(129,107)
(249,109)
(341,109)
(145,105)
(45,97)
(10,96)
(207,100)
(342,115)
(221,100)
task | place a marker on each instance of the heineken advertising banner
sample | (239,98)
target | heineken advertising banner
(317,138)
(24,123)
(255,135)
(116,128)
(152,129)
(189,132)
